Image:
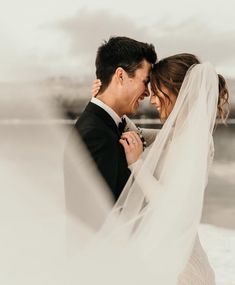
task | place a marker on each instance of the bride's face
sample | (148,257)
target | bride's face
(164,101)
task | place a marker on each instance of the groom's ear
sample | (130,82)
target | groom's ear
(120,75)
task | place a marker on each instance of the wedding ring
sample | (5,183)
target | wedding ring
(133,141)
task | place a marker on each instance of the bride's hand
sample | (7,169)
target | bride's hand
(95,88)
(133,146)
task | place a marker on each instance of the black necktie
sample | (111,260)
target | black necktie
(122,125)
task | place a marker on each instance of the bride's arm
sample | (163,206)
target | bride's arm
(133,152)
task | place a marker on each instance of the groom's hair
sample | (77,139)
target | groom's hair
(121,52)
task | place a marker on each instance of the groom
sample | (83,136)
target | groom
(123,65)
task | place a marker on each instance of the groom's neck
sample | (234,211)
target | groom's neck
(110,100)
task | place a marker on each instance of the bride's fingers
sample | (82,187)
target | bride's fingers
(125,145)
(95,87)
(94,92)
(96,83)
(137,137)
(132,147)
(128,139)
(132,138)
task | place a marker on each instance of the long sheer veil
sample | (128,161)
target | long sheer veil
(154,223)
(148,235)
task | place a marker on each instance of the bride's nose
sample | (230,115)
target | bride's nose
(154,100)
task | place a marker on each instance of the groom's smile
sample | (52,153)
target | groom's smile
(137,88)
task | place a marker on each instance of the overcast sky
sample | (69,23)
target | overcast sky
(51,38)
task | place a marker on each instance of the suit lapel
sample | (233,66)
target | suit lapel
(103,115)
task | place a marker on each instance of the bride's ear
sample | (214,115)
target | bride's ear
(120,75)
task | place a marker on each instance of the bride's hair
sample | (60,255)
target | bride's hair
(170,72)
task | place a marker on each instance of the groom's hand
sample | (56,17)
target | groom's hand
(132,145)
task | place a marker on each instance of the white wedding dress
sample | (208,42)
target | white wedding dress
(150,235)
(159,210)
(198,270)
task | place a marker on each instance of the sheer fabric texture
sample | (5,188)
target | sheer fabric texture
(150,235)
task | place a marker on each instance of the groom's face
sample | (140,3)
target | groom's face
(136,88)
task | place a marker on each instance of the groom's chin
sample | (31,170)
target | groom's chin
(133,112)
(135,109)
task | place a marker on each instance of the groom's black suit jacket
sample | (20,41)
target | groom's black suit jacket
(101,137)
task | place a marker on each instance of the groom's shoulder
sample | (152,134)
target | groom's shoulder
(89,124)
(96,135)
(93,117)
(88,120)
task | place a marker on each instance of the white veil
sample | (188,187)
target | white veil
(154,223)
(147,236)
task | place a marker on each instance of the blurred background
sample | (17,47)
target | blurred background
(47,56)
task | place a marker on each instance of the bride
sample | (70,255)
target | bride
(157,215)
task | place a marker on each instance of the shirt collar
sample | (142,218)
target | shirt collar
(109,110)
